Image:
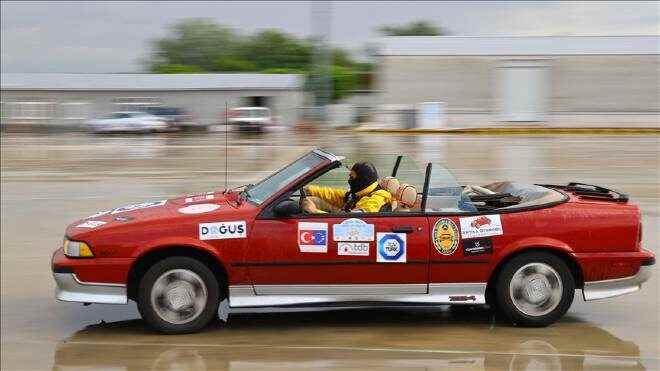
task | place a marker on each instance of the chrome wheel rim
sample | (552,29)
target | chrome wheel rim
(535,289)
(179,296)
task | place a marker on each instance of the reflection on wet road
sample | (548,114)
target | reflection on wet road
(50,180)
(354,340)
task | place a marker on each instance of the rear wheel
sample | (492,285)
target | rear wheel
(535,289)
(178,295)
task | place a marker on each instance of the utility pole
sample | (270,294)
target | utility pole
(322,68)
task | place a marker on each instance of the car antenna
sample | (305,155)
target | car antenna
(226,149)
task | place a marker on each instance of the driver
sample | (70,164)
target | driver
(364,194)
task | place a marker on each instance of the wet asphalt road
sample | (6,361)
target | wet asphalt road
(50,180)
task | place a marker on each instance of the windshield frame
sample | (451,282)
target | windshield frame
(323,163)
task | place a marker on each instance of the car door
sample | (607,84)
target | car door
(347,254)
(462,247)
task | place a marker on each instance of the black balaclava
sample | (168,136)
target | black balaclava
(365,173)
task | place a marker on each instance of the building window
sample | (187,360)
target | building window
(31,110)
(135,103)
(74,111)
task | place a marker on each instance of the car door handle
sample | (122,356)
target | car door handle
(403,229)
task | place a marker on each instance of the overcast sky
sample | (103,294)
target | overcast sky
(114,36)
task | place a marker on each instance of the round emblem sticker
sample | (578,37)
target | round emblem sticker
(198,208)
(445,236)
(391,247)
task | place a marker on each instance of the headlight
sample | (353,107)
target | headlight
(77,249)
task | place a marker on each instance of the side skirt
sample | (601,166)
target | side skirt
(241,296)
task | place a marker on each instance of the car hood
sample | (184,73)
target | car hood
(185,207)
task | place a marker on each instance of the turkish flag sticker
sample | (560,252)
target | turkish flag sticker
(313,237)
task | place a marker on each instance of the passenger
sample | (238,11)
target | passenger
(364,194)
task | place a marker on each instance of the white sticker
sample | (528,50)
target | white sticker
(481,226)
(198,208)
(197,198)
(222,230)
(91,224)
(353,230)
(391,247)
(353,248)
(313,237)
(143,205)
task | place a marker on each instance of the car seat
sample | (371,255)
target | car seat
(404,196)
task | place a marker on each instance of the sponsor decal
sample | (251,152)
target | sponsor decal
(198,208)
(222,230)
(143,205)
(100,213)
(313,237)
(91,224)
(463,298)
(445,236)
(481,226)
(197,198)
(123,218)
(353,230)
(477,246)
(391,247)
(353,248)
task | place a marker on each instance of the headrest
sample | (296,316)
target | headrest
(418,202)
(391,184)
(407,195)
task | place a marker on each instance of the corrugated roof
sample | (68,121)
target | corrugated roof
(224,81)
(519,45)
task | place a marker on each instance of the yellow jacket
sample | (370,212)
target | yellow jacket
(370,200)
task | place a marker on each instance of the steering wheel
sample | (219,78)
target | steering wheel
(303,195)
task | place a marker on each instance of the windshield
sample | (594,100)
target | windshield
(269,186)
(162,111)
(445,194)
(114,115)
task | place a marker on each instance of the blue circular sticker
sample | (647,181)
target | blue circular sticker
(391,247)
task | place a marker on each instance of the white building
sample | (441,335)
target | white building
(523,78)
(69,99)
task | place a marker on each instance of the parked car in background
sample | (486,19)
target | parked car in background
(176,118)
(257,119)
(139,122)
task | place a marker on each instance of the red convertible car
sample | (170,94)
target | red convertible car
(522,249)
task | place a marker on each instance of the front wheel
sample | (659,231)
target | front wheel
(535,289)
(178,295)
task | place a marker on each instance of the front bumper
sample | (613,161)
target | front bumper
(70,288)
(595,290)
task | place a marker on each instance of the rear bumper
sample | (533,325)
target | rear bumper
(595,290)
(70,288)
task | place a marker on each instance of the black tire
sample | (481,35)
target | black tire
(151,314)
(521,311)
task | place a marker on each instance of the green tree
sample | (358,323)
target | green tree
(200,45)
(175,68)
(417,28)
(233,64)
(195,42)
(275,49)
(344,81)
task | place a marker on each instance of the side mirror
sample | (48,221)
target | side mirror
(287,208)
